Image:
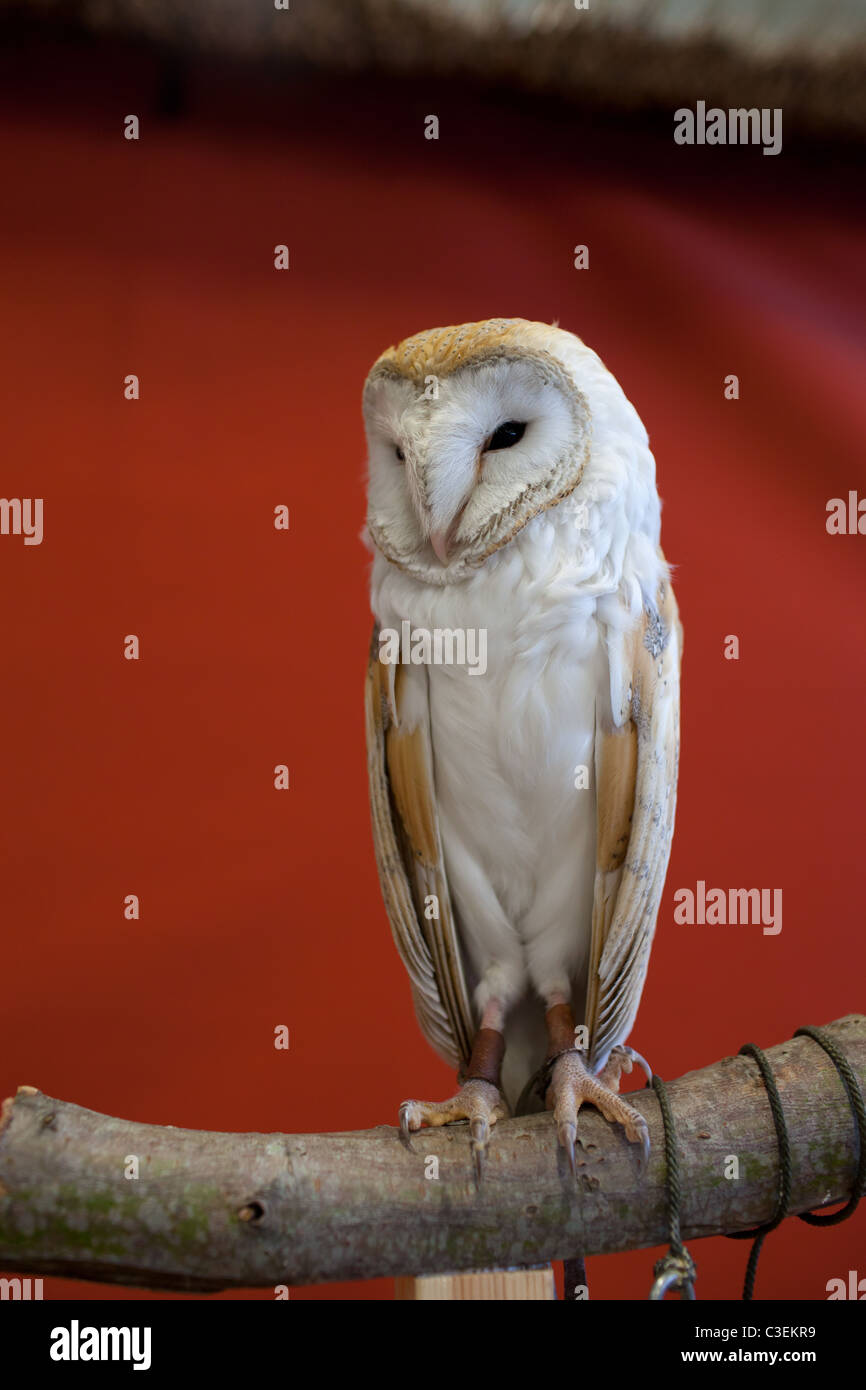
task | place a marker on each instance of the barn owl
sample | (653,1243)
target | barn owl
(523,813)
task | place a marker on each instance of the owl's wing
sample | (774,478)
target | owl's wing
(409,855)
(637,755)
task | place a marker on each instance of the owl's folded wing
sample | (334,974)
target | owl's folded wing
(409,856)
(636,779)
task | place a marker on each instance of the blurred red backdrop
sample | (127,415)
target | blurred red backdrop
(156,777)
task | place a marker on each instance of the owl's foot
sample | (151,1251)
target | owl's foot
(572,1085)
(477,1101)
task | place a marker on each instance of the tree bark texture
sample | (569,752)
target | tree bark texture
(211,1210)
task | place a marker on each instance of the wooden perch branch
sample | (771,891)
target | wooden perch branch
(211,1211)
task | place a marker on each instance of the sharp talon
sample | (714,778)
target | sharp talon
(567,1133)
(404,1127)
(478,1164)
(480,1131)
(643,1064)
(478,1152)
(643,1161)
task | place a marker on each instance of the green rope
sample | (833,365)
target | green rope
(676,1269)
(786,1173)
(855,1099)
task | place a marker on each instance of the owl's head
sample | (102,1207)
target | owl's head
(472,431)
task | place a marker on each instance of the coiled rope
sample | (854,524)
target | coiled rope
(677,1269)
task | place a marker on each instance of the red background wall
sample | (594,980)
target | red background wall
(155,777)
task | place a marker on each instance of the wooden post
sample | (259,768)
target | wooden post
(484,1284)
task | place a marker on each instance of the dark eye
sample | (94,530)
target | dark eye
(401,457)
(509,433)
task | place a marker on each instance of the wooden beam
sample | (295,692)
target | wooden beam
(210,1210)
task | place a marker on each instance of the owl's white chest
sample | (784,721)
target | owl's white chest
(513,753)
(513,749)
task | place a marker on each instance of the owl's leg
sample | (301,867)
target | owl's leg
(572,1085)
(479,1099)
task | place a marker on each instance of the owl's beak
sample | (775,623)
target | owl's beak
(443,541)
(440,541)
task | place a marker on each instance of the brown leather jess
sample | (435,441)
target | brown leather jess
(488,1049)
(560,1030)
